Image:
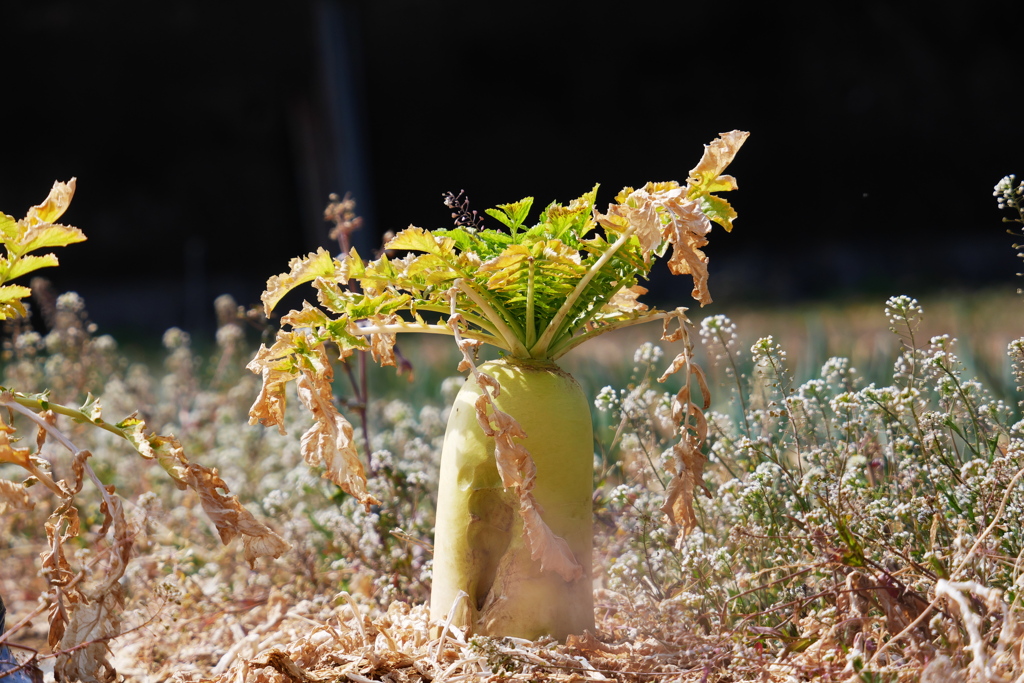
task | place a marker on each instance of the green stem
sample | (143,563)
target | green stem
(493,305)
(568,344)
(531,331)
(76,415)
(425,328)
(540,349)
(471,318)
(512,340)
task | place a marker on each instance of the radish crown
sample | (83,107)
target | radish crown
(534,292)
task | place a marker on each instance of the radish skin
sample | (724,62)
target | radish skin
(479,544)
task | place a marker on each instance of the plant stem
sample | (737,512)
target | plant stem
(531,332)
(540,349)
(569,343)
(512,340)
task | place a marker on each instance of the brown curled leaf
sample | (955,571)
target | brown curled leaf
(551,551)
(638,210)
(53,207)
(50,418)
(626,301)
(230,518)
(678,317)
(687,477)
(707,176)
(702,382)
(12,454)
(300,270)
(112,510)
(382,345)
(329,442)
(686,231)
(14,496)
(277,370)
(678,363)
(85,644)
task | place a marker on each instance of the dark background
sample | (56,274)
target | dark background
(206,136)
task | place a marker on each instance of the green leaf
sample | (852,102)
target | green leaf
(463,240)
(512,215)
(853,553)
(12,294)
(494,213)
(26,264)
(9,228)
(43,236)
(718,210)
(418,239)
(317,264)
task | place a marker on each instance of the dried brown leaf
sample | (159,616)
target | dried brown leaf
(677,317)
(53,207)
(687,477)
(639,210)
(702,382)
(12,454)
(678,363)
(61,525)
(50,418)
(84,646)
(268,408)
(588,642)
(112,510)
(14,496)
(329,442)
(707,174)
(382,345)
(60,614)
(78,470)
(230,518)
(551,551)
(626,300)
(686,231)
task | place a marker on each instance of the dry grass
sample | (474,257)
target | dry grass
(776,585)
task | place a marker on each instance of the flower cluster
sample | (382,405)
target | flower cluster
(822,485)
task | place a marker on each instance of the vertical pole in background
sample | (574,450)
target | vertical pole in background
(342,144)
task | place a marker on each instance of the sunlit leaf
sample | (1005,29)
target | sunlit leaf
(54,206)
(707,176)
(512,215)
(317,264)
(44,236)
(26,264)
(718,210)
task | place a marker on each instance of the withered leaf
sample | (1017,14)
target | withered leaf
(86,637)
(14,496)
(230,518)
(54,206)
(306,269)
(50,418)
(687,477)
(707,176)
(626,300)
(268,408)
(382,344)
(112,510)
(329,442)
(12,454)
(517,470)
(551,551)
